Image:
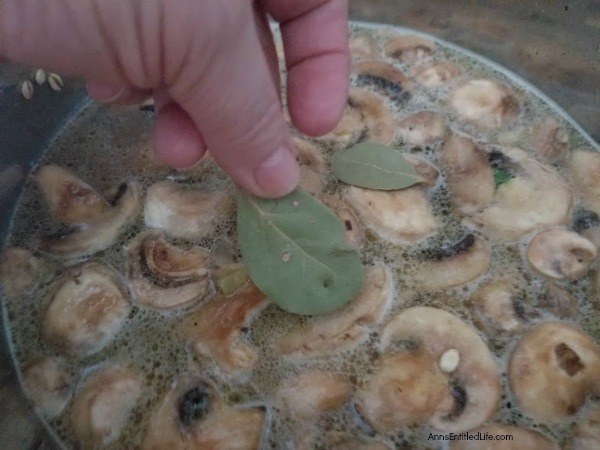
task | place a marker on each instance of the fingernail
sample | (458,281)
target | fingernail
(279,174)
(104,93)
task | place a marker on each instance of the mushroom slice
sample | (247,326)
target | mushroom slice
(423,128)
(456,264)
(522,439)
(99,233)
(427,171)
(585,170)
(86,311)
(102,408)
(161,276)
(536,196)
(396,216)
(185,213)
(558,301)
(366,117)
(353,229)
(69,198)
(409,49)
(551,141)
(347,328)
(383,78)
(470,178)
(19,270)
(47,384)
(560,254)
(484,103)
(435,74)
(311,393)
(213,331)
(587,223)
(191,416)
(474,385)
(494,307)
(552,370)
(313,167)
(587,431)
(363,47)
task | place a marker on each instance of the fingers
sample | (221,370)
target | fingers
(315,38)
(108,93)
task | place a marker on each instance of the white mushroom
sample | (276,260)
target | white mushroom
(435,74)
(536,196)
(454,265)
(363,47)
(409,386)
(521,439)
(87,309)
(314,392)
(396,216)
(313,167)
(70,199)
(183,212)
(551,140)
(409,49)
(383,78)
(560,254)
(585,170)
(19,271)
(191,416)
(366,117)
(102,408)
(348,327)
(162,276)
(101,231)
(422,128)
(552,370)
(470,178)
(47,384)
(495,308)
(214,331)
(353,229)
(587,431)
(484,103)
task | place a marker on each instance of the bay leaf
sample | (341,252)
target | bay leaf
(374,166)
(294,251)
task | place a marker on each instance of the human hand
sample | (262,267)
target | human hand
(211,66)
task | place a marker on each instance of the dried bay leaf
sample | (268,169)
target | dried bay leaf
(374,166)
(294,251)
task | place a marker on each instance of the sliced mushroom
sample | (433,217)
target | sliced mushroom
(70,199)
(47,384)
(456,264)
(163,277)
(484,103)
(558,301)
(86,311)
(423,128)
(585,170)
(552,370)
(459,401)
(587,223)
(347,328)
(470,178)
(435,74)
(363,47)
(183,212)
(19,271)
(191,416)
(560,254)
(353,229)
(102,408)
(101,231)
(214,331)
(587,431)
(313,167)
(521,439)
(383,78)
(409,49)
(551,141)
(366,117)
(495,309)
(536,196)
(311,393)
(427,171)
(396,216)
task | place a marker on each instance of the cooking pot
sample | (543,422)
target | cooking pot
(27,127)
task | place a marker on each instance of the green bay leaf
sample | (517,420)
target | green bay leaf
(294,251)
(374,166)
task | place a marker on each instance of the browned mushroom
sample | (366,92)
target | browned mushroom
(422,128)
(19,271)
(585,170)
(313,167)
(409,48)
